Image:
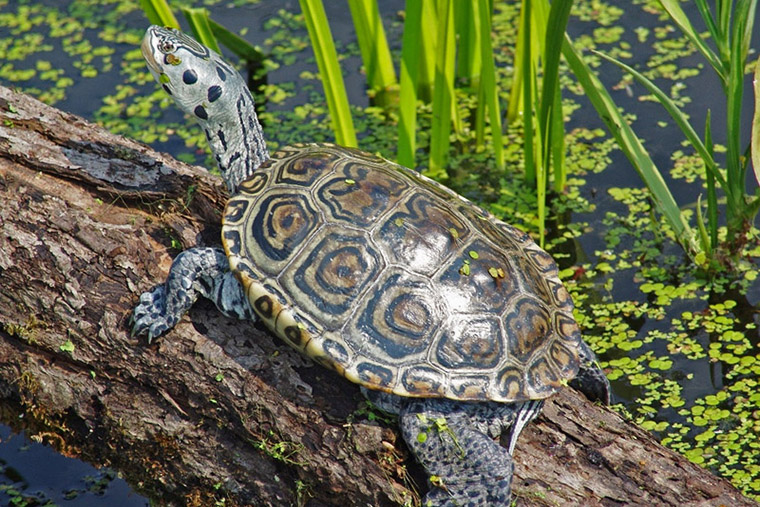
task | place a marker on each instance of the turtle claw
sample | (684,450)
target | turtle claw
(150,315)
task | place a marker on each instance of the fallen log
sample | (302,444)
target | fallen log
(219,409)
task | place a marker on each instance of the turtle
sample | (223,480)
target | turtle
(446,316)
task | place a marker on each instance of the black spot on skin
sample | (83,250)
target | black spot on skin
(221,73)
(205,283)
(214,93)
(201,113)
(222,139)
(166,89)
(189,77)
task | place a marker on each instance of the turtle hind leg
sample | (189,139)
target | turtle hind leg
(195,272)
(591,380)
(465,466)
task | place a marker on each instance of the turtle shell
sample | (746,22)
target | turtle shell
(396,282)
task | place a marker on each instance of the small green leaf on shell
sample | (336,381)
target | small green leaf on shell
(422,437)
(473,254)
(399,222)
(496,273)
(349,181)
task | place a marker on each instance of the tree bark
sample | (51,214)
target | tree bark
(219,409)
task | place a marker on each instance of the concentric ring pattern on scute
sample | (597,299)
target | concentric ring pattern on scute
(396,282)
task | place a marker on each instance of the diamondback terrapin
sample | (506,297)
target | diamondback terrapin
(444,315)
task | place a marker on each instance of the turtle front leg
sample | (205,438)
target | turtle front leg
(455,443)
(195,272)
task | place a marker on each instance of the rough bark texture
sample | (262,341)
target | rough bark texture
(219,408)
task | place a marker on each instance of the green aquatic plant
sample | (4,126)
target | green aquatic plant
(633,148)
(538,55)
(329,70)
(730,27)
(679,349)
(444,43)
(373,44)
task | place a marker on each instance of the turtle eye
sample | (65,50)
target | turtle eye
(166,47)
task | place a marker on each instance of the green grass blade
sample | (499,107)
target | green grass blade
(541,177)
(678,117)
(521,63)
(724,17)
(235,43)
(528,78)
(745,11)
(329,70)
(704,239)
(755,141)
(741,34)
(673,8)
(523,86)
(410,59)
(467,23)
(201,27)
(557,142)
(550,107)
(443,91)
(429,50)
(712,197)
(489,90)
(373,45)
(159,13)
(712,27)
(632,147)
(479,124)
(734,92)
(527,61)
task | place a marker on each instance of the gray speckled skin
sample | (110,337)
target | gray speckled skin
(458,444)
(195,272)
(460,448)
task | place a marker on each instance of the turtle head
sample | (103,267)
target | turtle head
(198,79)
(206,87)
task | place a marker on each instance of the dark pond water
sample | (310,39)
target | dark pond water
(37,471)
(33,474)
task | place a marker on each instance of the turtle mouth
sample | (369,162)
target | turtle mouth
(147,51)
